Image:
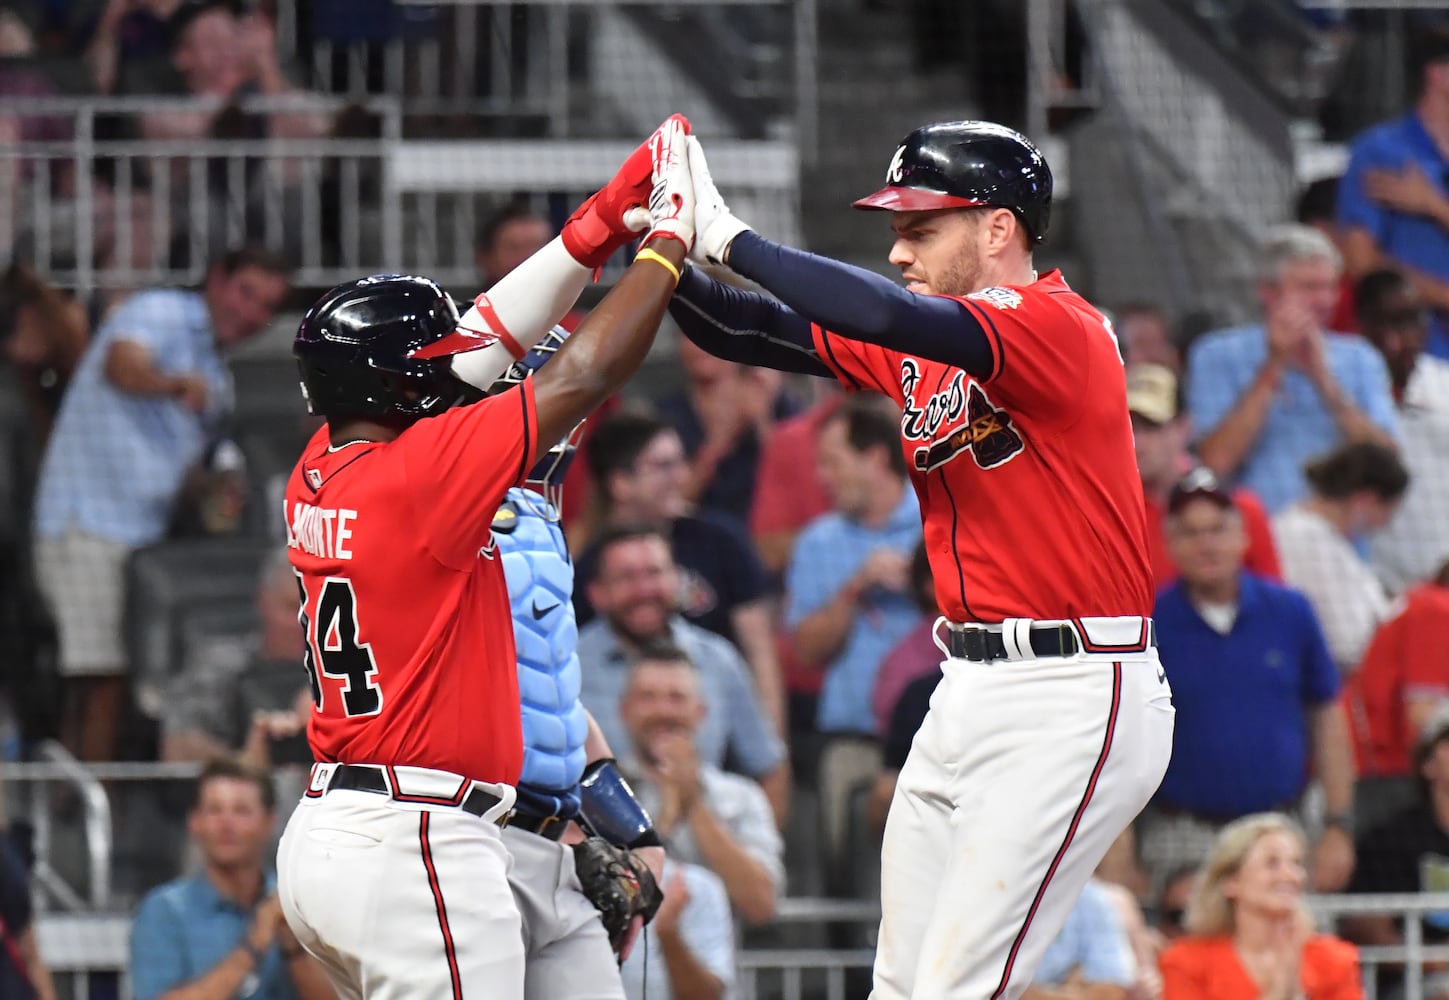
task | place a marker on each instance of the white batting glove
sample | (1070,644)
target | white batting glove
(671,199)
(716,226)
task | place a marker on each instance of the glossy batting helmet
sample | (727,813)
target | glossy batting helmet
(380,347)
(968,165)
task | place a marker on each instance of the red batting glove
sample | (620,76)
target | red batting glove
(597,227)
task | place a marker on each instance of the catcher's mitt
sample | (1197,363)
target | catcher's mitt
(618,883)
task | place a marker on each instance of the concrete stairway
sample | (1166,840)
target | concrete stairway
(870,97)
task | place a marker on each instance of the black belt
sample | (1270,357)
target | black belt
(983,646)
(547,827)
(358,778)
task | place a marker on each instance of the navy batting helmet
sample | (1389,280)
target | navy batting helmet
(379,347)
(968,165)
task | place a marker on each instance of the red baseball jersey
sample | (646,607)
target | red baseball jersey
(1406,660)
(409,637)
(1262,555)
(1027,479)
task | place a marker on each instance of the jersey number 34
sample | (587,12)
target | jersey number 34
(331,643)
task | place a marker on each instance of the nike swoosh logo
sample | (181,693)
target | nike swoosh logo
(1161,676)
(538,612)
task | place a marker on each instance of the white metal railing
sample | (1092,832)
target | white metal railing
(48,780)
(91,944)
(95,212)
(96,823)
(1408,910)
(516,58)
(336,208)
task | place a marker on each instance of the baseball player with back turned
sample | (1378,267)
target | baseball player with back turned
(392,870)
(568,769)
(1052,725)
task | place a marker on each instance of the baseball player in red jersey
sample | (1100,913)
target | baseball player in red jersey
(1052,725)
(392,870)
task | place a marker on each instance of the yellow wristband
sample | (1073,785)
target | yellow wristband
(659,258)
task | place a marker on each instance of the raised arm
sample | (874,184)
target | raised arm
(612,341)
(845,300)
(742,326)
(532,298)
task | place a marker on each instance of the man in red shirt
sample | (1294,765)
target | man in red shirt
(788,492)
(392,870)
(1052,725)
(1403,678)
(1159,435)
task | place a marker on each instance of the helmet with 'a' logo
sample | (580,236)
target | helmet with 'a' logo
(968,164)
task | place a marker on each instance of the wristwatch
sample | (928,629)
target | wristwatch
(1344,821)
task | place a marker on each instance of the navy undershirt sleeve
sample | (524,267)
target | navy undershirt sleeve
(861,305)
(743,326)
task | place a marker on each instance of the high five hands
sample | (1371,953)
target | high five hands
(621,211)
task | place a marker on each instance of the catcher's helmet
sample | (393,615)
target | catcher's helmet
(379,347)
(548,472)
(968,165)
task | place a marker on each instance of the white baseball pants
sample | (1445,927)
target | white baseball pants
(1022,775)
(402,899)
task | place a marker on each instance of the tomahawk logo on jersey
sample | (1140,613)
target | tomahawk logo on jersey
(1077,506)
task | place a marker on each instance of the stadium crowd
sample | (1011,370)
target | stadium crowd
(752,583)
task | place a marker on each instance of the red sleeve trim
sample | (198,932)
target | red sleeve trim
(822,337)
(495,325)
(993,337)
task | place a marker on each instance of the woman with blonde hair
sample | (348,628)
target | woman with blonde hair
(1249,933)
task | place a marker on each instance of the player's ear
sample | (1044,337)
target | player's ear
(1002,228)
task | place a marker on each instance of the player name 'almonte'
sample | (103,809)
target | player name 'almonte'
(319,531)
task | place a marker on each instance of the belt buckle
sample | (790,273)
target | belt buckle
(1067,644)
(973,642)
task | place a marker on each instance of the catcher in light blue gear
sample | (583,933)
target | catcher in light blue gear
(581,904)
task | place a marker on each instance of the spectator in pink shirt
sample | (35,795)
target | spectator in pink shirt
(914,656)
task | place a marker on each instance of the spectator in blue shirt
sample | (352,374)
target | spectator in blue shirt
(635,587)
(850,602)
(640,469)
(1256,694)
(1091,956)
(220,932)
(689,946)
(1267,397)
(147,398)
(1393,202)
(848,584)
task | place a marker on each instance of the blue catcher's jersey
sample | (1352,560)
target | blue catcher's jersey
(540,588)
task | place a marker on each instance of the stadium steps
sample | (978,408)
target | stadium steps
(870,95)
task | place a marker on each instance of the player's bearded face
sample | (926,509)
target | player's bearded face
(938,252)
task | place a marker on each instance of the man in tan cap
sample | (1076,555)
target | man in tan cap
(1160,432)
